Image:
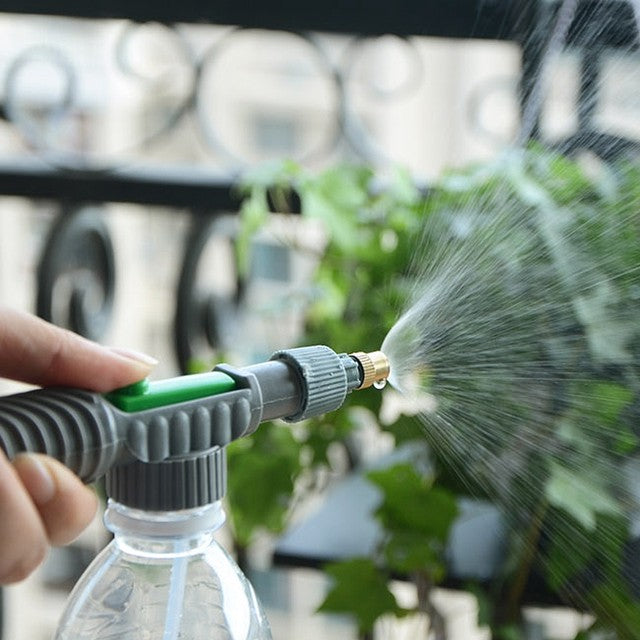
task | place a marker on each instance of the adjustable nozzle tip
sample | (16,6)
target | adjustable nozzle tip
(375,368)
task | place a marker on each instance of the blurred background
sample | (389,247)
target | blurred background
(124,133)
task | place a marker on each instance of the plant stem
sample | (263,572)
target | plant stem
(424,587)
(514,597)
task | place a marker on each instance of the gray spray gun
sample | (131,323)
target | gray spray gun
(161,444)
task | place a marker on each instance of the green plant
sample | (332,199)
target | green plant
(358,284)
(416,517)
(260,487)
(571,519)
(566,242)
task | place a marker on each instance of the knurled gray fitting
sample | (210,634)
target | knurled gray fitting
(171,485)
(322,377)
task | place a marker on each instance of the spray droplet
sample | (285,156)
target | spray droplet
(380,384)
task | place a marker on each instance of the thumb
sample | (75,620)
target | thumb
(37,352)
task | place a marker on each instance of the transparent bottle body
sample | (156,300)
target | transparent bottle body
(165,577)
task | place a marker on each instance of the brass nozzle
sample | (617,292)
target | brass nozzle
(375,367)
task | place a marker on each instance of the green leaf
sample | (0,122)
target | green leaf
(609,336)
(340,227)
(509,632)
(564,561)
(407,552)
(360,590)
(580,495)
(262,471)
(254,212)
(330,301)
(617,609)
(597,423)
(411,503)
(402,187)
(607,400)
(335,198)
(626,442)
(485,604)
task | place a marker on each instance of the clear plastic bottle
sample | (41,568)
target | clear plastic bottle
(165,577)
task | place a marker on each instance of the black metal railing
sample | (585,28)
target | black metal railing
(78,179)
(80,184)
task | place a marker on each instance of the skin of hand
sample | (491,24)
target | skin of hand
(42,503)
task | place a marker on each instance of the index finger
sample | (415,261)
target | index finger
(34,351)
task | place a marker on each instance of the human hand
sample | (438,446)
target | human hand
(42,503)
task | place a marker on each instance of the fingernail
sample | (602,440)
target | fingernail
(135,355)
(35,477)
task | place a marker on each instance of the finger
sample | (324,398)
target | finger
(65,505)
(40,353)
(22,532)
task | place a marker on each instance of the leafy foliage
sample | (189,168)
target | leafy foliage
(416,517)
(581,232)
(370,600)
(357,286)
(403,487)
(261,483)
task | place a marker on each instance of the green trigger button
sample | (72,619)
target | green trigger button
(135,389)
(144,394)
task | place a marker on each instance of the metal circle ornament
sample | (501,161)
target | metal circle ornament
(76,274)
(210,292)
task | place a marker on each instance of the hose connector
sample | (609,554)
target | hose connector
(375,368)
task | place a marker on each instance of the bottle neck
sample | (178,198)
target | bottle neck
(162,533)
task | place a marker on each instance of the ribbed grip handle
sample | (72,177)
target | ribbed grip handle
(76,427)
